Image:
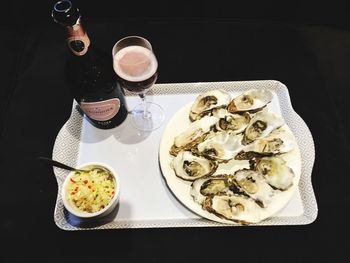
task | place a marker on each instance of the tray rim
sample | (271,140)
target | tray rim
(71,152)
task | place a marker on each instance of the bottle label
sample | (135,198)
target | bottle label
(78,40)
(102,110)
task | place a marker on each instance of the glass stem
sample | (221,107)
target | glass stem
(145,114)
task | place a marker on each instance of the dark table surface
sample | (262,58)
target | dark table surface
(310,55)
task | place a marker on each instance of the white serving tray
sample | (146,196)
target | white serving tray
(145,200)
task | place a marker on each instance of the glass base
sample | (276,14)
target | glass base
(150,121)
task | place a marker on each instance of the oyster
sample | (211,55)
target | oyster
(233,122)
(210,186)
(194,134)
(251,100)
(190,167)
(207,101)
(279,141)
(261,125)
(223,184)
(239,209)
(276,172)
(255,185)
(221,146)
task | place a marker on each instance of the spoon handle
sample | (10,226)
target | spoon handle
(57,164)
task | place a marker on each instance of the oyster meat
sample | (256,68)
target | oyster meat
(261,125)
(276,172)
(194,134)
(239,209)
(190,167)
(221,146)
(207,101)
(251,100)
(232,122)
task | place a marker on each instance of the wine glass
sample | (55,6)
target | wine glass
(137,68)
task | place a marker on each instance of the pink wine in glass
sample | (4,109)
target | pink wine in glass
(136,67)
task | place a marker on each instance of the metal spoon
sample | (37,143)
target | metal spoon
(67,167)
(60,165)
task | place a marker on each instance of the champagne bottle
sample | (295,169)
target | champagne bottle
(89,72)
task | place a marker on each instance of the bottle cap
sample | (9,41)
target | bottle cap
(65,13)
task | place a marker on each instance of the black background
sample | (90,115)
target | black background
(305,45)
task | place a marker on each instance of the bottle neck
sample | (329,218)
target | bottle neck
(77,39)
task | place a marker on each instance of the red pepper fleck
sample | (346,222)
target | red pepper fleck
(86,181)
(113,193)
(89,186)
(72,180)
(76,188)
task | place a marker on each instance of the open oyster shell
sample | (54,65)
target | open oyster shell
(221,184)
(210,186)
(221,146)
(276,172)
(239,209)
(251,100)
(278,142)
(194,134)
(255,185)
(190,167)
(232,122)
(207,101)
(261,125)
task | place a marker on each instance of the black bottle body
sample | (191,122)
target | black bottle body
(95,87)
